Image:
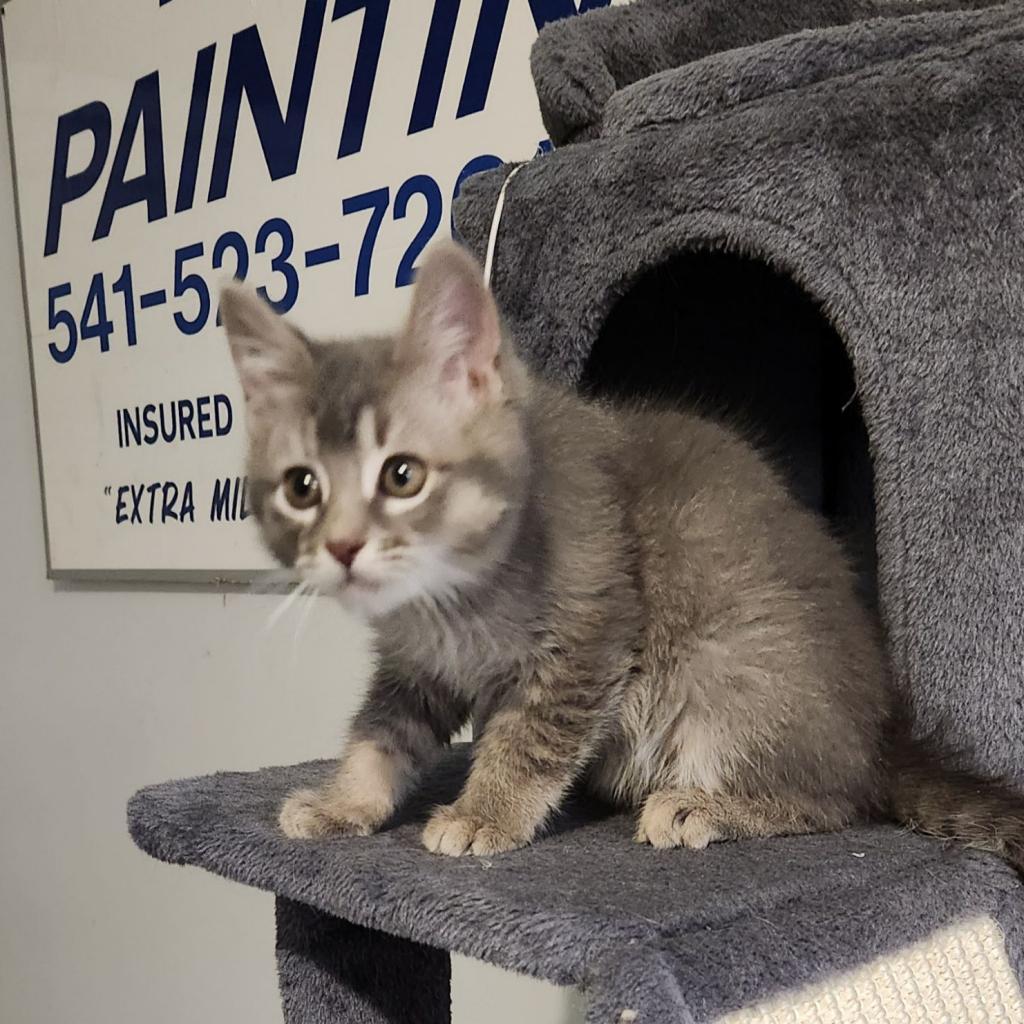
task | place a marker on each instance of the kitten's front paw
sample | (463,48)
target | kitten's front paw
(453,833)
(677,818)
(311,814)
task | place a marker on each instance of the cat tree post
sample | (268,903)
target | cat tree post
(334,972)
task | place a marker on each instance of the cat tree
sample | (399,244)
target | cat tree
(852,165)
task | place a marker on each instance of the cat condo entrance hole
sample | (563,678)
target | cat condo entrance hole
(735,338)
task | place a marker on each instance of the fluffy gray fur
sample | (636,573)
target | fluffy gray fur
(629,597)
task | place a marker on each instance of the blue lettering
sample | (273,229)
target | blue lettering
(96,306)
(150,187)
(377,201)
(435,64)
(152,488)
(167,510)
(248,73)
(131,426)
(223,423)
(185,422)
(364,75)
(163,504)
(188,504)
(201,79)
(219,506)
(168,430)
(64,187)
(203,409)
(121,510)
(482,56)
(228,504)
(149,421)
(281,263)
(178,420)
(422,185)
(137,494)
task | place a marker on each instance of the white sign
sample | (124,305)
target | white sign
(310,146)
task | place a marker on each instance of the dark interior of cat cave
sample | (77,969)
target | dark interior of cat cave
(736,338)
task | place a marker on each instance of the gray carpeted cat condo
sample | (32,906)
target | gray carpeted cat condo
(811,212)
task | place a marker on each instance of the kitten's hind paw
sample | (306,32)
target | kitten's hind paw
(455,834)
(311,814)
(676,818)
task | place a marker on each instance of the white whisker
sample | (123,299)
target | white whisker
(282,608)
(300,626)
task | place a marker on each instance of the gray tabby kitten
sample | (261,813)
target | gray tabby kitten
(624,596)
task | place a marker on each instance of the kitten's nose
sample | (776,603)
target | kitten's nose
(344,551)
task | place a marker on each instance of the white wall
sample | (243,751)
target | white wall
(105,689)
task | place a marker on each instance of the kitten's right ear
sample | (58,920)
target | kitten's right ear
(273,361)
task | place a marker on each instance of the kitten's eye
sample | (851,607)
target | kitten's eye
(301,488)
(402,476)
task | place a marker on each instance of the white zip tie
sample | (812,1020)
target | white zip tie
(492,241)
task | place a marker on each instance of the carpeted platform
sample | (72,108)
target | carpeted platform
(675,935)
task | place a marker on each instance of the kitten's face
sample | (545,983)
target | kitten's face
(387,469)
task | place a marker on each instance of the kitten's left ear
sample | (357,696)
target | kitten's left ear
(453,328)
(273,360)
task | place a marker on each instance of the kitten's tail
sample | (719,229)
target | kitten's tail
(933,795)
